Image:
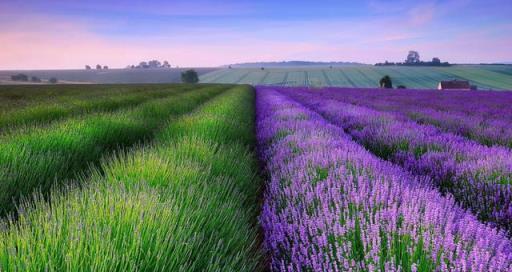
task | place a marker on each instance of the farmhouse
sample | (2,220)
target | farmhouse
(454,85)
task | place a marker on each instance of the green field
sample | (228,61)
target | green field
(496,77)
(185,198)
(165,179)
(110,76)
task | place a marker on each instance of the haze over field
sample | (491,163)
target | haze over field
(69,34)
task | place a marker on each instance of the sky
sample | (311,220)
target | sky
(65,34)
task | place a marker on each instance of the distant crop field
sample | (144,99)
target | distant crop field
(110,76)
(497,77)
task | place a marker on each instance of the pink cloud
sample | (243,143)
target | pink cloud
(475,47)
(39,42)
(61,44)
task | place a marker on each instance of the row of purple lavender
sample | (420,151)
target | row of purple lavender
(478,176)
(330,205)
(485,117)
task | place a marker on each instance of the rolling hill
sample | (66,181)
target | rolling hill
(109,76)
(486,77)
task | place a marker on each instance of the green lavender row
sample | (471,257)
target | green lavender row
(14,97)
(189,202)
(65,106)
(37,158)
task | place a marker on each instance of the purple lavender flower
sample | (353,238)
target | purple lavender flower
(330,205)
(478,176)
(485,117)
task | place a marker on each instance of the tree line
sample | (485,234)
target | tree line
(98,67)
(413,59)
(142,65)
(34,79)
(152,64)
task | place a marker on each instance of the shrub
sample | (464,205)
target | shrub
(19,77)
(385,82)
(189,76)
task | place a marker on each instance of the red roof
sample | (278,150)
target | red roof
(455,85)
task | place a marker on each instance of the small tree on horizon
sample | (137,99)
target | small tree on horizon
(189,76)
(53,80)
(413,57)
(19,77)
(385,82)
(98,67)
(154,64)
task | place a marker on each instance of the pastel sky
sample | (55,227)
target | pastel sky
(69,34)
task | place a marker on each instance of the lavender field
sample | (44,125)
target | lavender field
(183,177)
(375,180)
(256,136)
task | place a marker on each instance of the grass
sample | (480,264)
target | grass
(186,203)
(63,106)
(35,159)
(366,76)
(110,76)
(19,96)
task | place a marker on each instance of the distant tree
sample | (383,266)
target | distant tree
(151,64)
(35,79)
(87,67)
(143,64)
(385,82)
(19,77)
(154,64)
(189,76)
(262,68)
(229,67)
(105,67)
(98,67)
(413,57)
(53,80)
(401,87)
(386,63)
